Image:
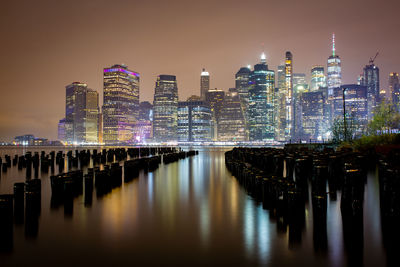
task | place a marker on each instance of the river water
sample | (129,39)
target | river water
(191,212)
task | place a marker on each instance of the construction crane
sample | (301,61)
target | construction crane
(372,60)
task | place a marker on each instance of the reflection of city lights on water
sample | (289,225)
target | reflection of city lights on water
(249,228)
(204,222)
(150,186)
(264,239)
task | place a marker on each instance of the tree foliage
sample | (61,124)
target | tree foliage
(386,118)
(339,132)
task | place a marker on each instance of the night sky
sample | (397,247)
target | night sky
(46,45)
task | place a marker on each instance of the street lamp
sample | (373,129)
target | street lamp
(344,114)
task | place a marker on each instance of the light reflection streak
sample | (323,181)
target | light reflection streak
(335,235)
(205,222)
(264,238)
(249,227)
(234,203)
(184,180)
(150,188)
(372,210)
(120,209)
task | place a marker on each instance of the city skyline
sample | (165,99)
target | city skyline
(52,60)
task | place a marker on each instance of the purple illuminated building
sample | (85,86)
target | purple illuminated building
(120,104)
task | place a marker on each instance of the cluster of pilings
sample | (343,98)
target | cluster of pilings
(167,155)
(77,159)
(172,157)
(133,166)
(389,187)
(64,187)
(6,164)
(21,207)
(43,163)
(281,179)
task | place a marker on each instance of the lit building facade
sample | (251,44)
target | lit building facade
(242,84)
(100,127)
(281,77)
(334,70)
(120,104)
(70,108)
(285,112)
(382,95)
(194,121)
(81,115)
(143,130)
(279,103)
(318,78)
(61,130)
(371,81)
(394,88)
(88,118)
(356,101)
(299,79)
(312,115)
(145,111)
(232,126)
(299,86)
(215,99)
(260,116)
(204,84)
(334,78)
(26,140)
(165,109)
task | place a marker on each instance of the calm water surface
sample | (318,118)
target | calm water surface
(191,212)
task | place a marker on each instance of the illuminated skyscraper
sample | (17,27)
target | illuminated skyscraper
(371,81)
(334,78)
(165,114)
(120,104)
(215,99)
(242,84)
(318,78)
(70,109)
(261,102)
(279,103)
(356,105)
(286,108)
(394,88)
(194,121)
(299,79)
(81,114)
(231,126)
(88,118)
(61,130)
(204,84)
(281,77)
(312,119)
(334,73)
(299,86)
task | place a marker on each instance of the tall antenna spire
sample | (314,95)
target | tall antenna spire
(263,58)
(333,45)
